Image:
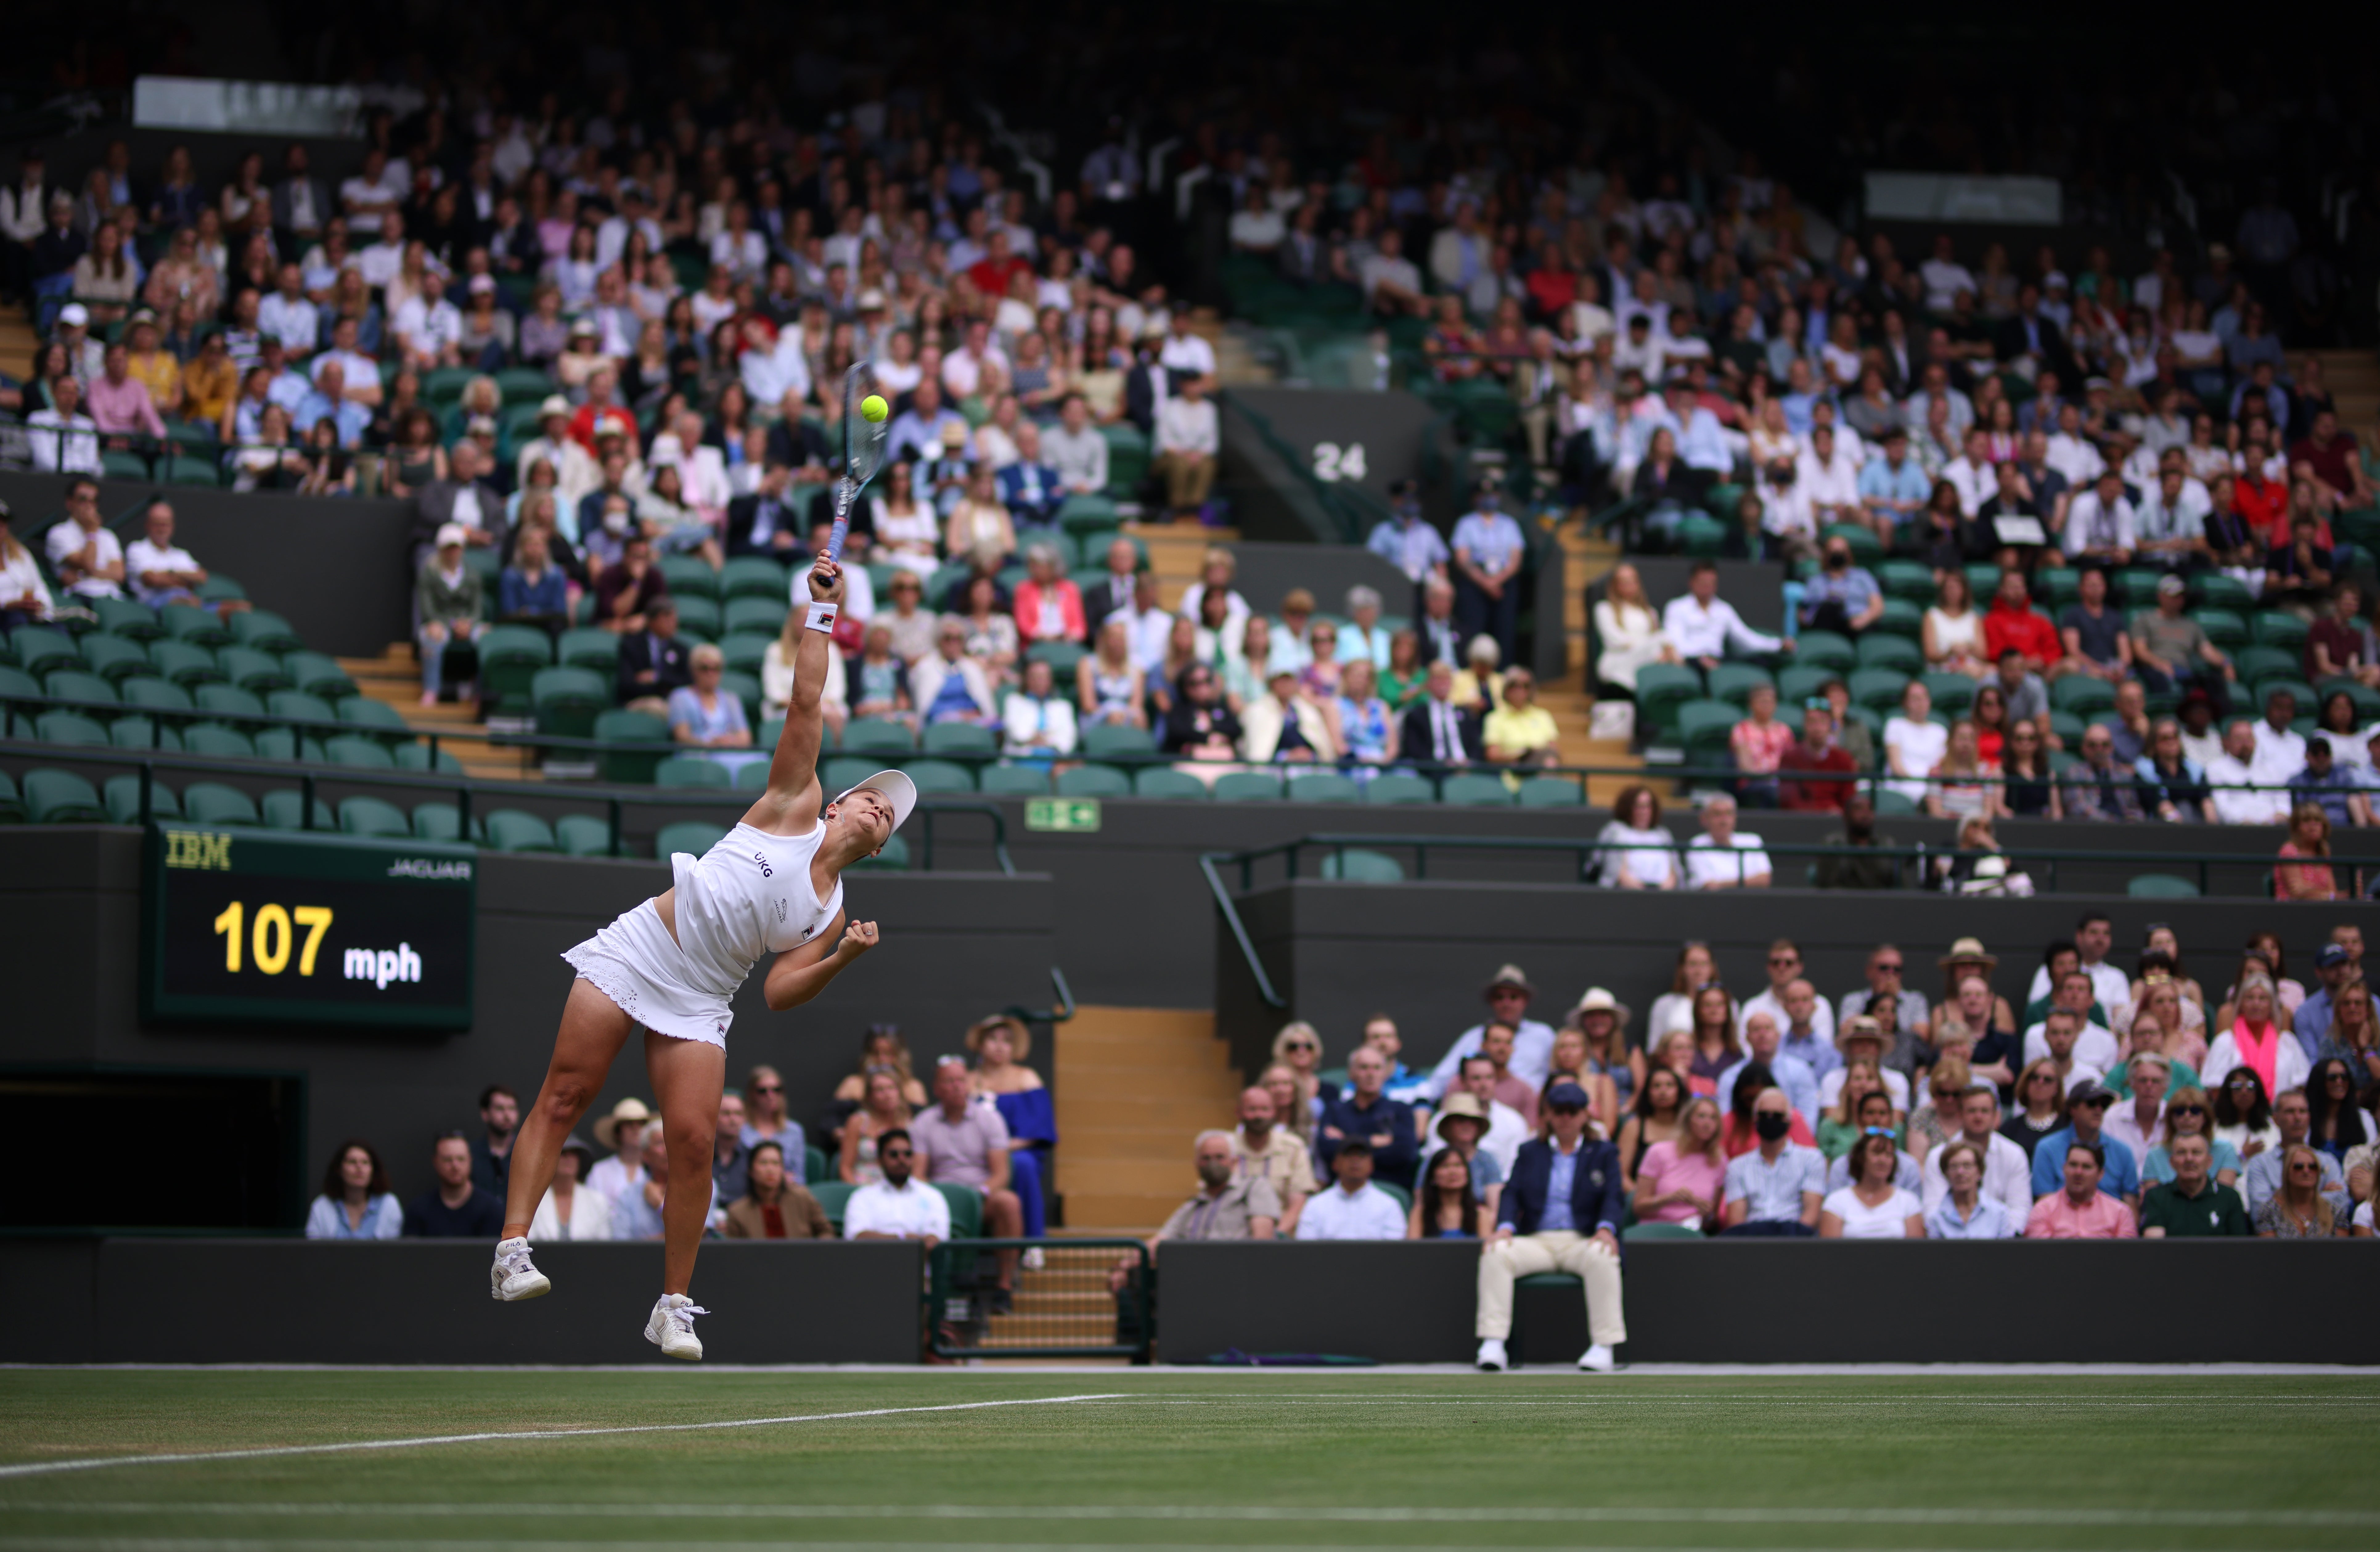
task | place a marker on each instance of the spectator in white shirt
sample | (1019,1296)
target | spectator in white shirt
(1189,439)
(1186,355)
(1703,625)
(383,261)
(429,327)
(62,439)
(2069,453)
(1971,474)
(2280,749)
(899,1207)
(1828,477)
(1722,856)
(288,315)
(2099,523)
(24,597)
(769,375)
(2095,935)
(2007,1172)
(1076,449)
(1509,995)
(2231,776)
(159,570)
(963,369)
(87,558)
(1354,1208)
(1944,276)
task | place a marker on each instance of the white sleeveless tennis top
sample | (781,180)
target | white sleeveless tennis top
(747,897)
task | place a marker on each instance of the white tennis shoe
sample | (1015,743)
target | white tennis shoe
(1492,1357)
(671,1328)
(1598,1359)
(513,1278)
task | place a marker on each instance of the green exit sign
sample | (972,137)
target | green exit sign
(1080,814)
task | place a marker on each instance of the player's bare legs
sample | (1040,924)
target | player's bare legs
(687,1078)
(594,1030)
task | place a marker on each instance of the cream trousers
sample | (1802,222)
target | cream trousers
(1557,1251)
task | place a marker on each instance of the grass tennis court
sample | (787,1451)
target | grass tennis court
(1323,1461)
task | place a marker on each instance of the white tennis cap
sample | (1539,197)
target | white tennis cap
(896,787)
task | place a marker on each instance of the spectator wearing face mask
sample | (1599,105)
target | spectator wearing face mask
(1842,597)
(1776,1189)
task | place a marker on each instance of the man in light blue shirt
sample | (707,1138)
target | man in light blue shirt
(1893,488)
(1488,549)
(1795,1076)
(1702,444)
(2088,1106)
(1775,1190)
(1406,540)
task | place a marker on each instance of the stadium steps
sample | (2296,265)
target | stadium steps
(1236,365)
(394,679)
(1174,552)
(2355,379)
(18,343)
(1586,559)
(1133,1087)
(1065,1303)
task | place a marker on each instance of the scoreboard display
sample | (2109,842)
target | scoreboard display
(272,926)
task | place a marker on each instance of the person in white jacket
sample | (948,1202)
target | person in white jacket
(1036,721)
(572,1210)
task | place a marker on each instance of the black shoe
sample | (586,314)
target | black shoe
(1000,1301)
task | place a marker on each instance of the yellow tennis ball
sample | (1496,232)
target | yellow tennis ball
(874,407)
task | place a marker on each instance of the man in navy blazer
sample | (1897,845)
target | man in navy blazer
(1561,1212)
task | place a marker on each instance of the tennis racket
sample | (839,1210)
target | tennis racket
(863,452)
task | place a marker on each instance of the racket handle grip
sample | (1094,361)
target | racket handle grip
(844,491)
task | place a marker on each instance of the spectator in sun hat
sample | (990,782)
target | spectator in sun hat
(1507,993)
(572,1208)
(1462,1125)
(1862,1036)
(622,1131)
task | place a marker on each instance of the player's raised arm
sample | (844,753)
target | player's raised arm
(791,801)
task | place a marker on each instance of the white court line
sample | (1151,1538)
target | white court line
(39,1468)
(1576,1516)
(311,1544)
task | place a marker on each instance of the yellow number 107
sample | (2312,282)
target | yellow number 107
(271,941)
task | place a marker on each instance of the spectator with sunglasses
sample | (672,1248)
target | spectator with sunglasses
(899,1207)
(1784,969)
(2113,1169)
(2301,1206)
(765,1119)
(2267,1172)
(2189,1113)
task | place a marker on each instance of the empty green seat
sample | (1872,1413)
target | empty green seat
(123,798)
(1094,781)
(567,701)
(755,577)
(416,757)
(218,742)
(1247,786)
(1358,866)
(287,743)
(515,830)
(1013,781)
(746,652)
(2275,627)
(1324,787)
(258,672)
(1911,580)
(370,815)
(199,627)
(1825,650)
(318,675)
(689,576)
(1953,694)
(761,617)
(184,664)
(1895,805)
(959,738)
(649,732)
(127,618)
(142,733)
(1107,741)
(1397,787)
(113,656)
(2082,695)
(228,700)
(1704,727)
(377,718)
(510,657)
(18,687)
(876,736)
(263,630)
(693,836)
(1877,688)
(1479,791)
(73,684)
(2159,886)
(441,821)
(2256,663)
(298,704)
(1876,650)
(1552,792)
(1163,781)
(352,752)
(69,727)
(1062,657)
(152,694)
(212,802)
(61,797)
(1661,688)
(285,807)
(939,776)
(590,647)
(892,857)
(691,770)
(1734,683)
(40,650)
(698,616)
(2225,629)
(584,835)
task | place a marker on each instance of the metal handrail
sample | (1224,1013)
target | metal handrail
(1587,850)
(1061,1012)
(1224,902)
(616,799)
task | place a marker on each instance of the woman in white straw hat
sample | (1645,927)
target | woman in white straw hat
(772,885)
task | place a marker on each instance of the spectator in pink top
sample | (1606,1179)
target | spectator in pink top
(120,402)
(1681,1180)
(1759,743)
(2080,1211)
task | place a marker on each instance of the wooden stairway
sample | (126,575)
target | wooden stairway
(1135,1086)
(394,679)
(1587,560)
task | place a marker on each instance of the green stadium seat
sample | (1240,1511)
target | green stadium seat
(1734,683)
(217,742)
(264,631)
(370,815)
(842,774)
(73,684)
(1062,656)
(1397,787)
(12,802)
(589,648)
(152,694)
(145,734)
(1655,1231)
(351,752)
(70,727)
(1094,781)
(1106,741)
(123,797)
(127,618)
(113,656)
(1325,787)
(755,577)
(2218,591)
(692,770)
(567,701)
(61,797)
(761,616)
(20,688)
(1909,580)
(750,776)
(377,719)
(1082,514)
(1552,792)
(416,757)
(443,821)
(510,658)
(689,576)
(258,672)
(514,830)
(634,764)
(1704,727)
(2070,730)
(958,738)
(1877,688)
(1014,780)
(183,664)
(199,627)
(697,615)
(878,735)
(2256,663)
(2227,630)
(1896,804)
(2056,587)
(1475,792)
(746,652)
(2274,627)
(892,858)
(1953,694)
(936,776)
(1163,781)
(1890,651)
(319,675)
(2081,696)
(218,588)
(212,803)
(284,806)
(40,650)
(584,835)
(833,1196)
(2159,886)
(1901,619)
(297,703)
(1358,866)
(1247,786)
(693,836)
(2135,587)
(524,384)
(283,744)
(1661,688)
(1825,650)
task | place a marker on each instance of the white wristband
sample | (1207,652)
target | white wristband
(821,618)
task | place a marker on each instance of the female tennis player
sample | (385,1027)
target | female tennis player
(772,885)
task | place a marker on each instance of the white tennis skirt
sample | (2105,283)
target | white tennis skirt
(638,966)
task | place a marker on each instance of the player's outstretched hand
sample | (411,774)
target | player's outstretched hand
(826,581)
(857,939)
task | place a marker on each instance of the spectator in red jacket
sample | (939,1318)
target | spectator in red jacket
(1814,751)
(2013,622)
(1049,605)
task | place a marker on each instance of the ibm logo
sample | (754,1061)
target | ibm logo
(191,848)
